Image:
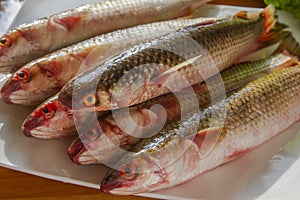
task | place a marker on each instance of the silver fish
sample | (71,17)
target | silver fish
(101,141)
(172,62)
(33,40)
(44,77)
(181,151)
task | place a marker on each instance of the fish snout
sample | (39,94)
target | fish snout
(111,182)
(27,132)
(30,124)
(8,89)
(75,150)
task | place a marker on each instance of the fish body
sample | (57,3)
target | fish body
(47,75)
(184,150)
(170,63)
(33,40)
(104,141)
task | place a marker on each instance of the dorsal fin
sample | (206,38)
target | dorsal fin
(242,15)
(205,23)
(206,139)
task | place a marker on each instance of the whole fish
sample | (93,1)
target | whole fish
(181,151)
(44,77)
(101,141)
(169,63)
(33,40)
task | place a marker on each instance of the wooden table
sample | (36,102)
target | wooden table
(17,185)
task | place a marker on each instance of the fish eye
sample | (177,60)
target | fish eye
(91,134)
(129,171)
(5,41)
(47,111)
(23,75)
(90,100)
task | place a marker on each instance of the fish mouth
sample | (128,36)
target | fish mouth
(86,159)
(75,151)
(80,155)
(34,127)
(7,91)
(30,124)
(112,185)
(12,93)
(112,188)
(45,133)
(17,99)
(118,187)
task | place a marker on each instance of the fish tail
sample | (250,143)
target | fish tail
(292,62)
(273,34)
(289,45)
(273,29)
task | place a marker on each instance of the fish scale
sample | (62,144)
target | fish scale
(79,57)
(246,32)
(33,40)
(181,105)
(253,116)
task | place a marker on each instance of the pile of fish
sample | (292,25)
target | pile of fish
(157,96)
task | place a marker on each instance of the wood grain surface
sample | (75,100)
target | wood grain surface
(16,185)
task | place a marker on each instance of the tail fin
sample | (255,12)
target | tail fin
(265,49)
(273,34)
(275,37)
(289,44)
(273,29)
(270,20)
(290,60)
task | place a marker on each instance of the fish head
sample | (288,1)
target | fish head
(50,120)
(138,174)
(84,150)
(98,142)
(86,98)
(83,91)
(78,91)
(29,85)
(13,46)
(101,139)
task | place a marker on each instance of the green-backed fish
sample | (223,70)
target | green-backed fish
(181,151)
(157,67)
(101,141)
(42,78)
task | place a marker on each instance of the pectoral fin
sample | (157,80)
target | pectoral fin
(207,139)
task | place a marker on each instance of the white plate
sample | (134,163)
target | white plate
(261,174)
